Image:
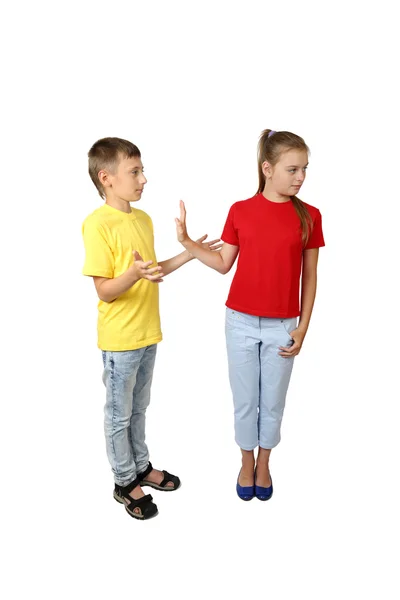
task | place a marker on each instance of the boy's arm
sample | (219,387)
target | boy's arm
(110,289)
(99,264)
(220,261)
(171,264)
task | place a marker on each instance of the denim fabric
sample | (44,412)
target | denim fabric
(259,377)
(127,376)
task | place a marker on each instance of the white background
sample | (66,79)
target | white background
(193,85)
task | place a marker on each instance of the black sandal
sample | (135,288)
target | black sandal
(160,486)
(145,504)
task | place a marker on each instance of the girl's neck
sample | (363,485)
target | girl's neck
(274,196)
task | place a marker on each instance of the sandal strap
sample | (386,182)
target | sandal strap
(126,489)
(168,478)
(141,501)
(146,472)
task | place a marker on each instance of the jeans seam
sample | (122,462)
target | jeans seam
(112,381)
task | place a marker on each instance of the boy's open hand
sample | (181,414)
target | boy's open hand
(181,231)
(143,271)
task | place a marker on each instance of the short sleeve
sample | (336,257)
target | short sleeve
(229,234)
(316,239)
(99,258)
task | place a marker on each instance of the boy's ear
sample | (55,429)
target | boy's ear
(104,178)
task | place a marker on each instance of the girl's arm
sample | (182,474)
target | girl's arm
(308,287)
(220,261)
(308,290)
(171,264)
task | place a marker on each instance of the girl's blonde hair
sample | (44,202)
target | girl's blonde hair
(271,145)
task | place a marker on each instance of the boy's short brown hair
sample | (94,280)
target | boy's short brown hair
(105,154)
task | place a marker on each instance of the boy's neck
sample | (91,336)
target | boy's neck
(119,204)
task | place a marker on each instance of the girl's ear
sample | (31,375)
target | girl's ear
(266,169)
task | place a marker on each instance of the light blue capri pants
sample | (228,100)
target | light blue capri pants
(259,377)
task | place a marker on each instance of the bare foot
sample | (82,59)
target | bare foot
(156,477)
(135,494)
(263,477)
(246,475)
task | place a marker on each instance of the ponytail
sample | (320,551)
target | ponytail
(270,147)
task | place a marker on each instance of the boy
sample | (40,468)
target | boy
(120,256)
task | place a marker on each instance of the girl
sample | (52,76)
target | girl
(277,237)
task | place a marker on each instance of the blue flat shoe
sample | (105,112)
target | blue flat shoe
(244,493)
(263,493)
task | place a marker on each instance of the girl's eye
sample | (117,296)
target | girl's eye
(294,170)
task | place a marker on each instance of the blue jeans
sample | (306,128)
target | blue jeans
(127,376)
(259,377)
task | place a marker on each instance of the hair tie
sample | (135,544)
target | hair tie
(271,133)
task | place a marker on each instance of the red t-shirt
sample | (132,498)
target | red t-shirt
(267,278)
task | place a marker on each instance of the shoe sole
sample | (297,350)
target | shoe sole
(136,516)
(155,486)
(264,499)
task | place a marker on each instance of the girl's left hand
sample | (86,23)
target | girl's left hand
(214,245)
(298,335)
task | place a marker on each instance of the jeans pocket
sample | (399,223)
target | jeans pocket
(231,315)
(288,325)
(236,339)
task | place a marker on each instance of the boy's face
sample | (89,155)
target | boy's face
(128,180)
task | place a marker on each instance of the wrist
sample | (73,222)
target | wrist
(187,255)
(188,244)
(133,275)
(302,328)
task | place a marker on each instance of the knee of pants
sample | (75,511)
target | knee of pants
(245,411)
(115,421)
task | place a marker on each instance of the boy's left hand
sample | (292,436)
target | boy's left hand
(298,335)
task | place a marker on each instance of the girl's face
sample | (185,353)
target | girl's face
(289,173)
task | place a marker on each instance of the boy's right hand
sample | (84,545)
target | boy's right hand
(181,231)
(142,271)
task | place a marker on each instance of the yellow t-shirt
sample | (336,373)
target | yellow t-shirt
(110,236)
